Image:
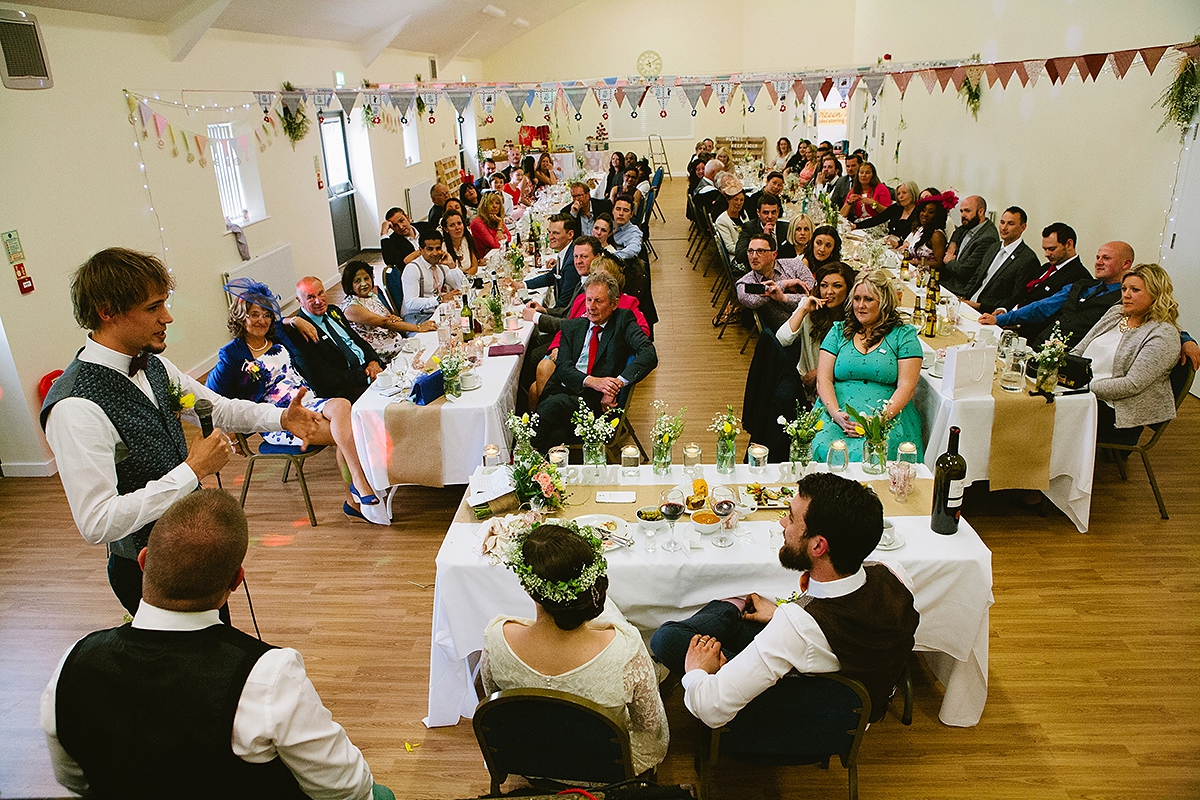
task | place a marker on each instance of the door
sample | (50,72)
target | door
(340,187)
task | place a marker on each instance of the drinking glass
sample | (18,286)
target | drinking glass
(900,479)
(692,457)
(722,501)
(558,455)
(757,455)
(672,509)
(837,459)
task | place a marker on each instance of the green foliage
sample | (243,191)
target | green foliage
(294,125)
(1181,98)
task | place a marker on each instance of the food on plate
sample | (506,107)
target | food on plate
(607,526)
(650,515)
(699,495)
(768,495)
(705,518)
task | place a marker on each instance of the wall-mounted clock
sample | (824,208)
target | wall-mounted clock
(649,64)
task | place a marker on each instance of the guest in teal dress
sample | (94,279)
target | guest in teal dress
(871,359)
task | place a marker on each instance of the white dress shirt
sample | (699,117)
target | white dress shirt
(279,714)
(420,274)
(1001,256)
(87,447)
(792,640)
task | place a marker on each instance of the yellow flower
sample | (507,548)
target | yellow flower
(727,427)
(615,422)
(820,424)
(525,418)
(437,360)
(187,401)
(859,429)
(666,438)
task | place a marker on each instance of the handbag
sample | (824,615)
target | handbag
(1076,373)
(428,388)
(969,370)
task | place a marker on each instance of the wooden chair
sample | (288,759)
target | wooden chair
(543,733)
(802,719)
(290,455)
(1181,381)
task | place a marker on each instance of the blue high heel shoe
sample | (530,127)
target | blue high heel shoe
(364,499)
(353,514)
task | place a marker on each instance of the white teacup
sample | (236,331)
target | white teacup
(470,380)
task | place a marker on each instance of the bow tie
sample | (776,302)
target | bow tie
(138,362)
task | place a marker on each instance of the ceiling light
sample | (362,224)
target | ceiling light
(521,23)
(492,11)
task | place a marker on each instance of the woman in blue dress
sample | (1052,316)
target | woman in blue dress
(871,360)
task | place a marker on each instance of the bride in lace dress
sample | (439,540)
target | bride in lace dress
(570,645)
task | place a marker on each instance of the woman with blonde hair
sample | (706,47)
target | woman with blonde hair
(871,361)
(899,216)
(1133,349)
(488,229)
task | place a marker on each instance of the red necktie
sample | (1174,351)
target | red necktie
(1044,277)
(593,347)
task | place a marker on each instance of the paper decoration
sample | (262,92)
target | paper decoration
(201,148)
(1122,59)
(800,90)
(460,99)
(826,88)
(487,99)
(874,82)
(929,77)
(292,101)
(693,92)
(575,96)
(662,94)
(843,84)
(1091,64)
(723,90)
(1058,69)
(430,99)
(1034,70)
(902,79)
(751,90)
(706,94)
(974,73)
(1004,71)
(779,89)
(604,96)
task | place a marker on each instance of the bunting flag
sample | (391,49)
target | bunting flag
(292,101)
(874,82)
(944,76)
(1090,65)
(663,95)
(930,79)
(1057,69)
(1151,56)
(174,146)
(460,99)
(619,93)
(430,99)
(843,83)
(693,91)
(774,95)
(487,99)
(1034,70)
(265,100)
(1004,72)
(160,127)
(974,73)
(826,88)
(779,90)
(347,99)
(402,101)
(706,95)
(575,96)
(1122,59)
(515,98)
(604,96)
(853,87)
(800,90)
(902,79)
(723,89)
(201,149)
(751,90)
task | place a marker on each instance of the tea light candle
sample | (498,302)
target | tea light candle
(907,451)
(757,454)
(558,455)
(631,459)
(491,457)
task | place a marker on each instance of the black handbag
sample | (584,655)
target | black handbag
(1075,373)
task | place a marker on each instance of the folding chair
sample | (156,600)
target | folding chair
(290,455)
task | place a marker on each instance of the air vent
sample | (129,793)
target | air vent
(24,53)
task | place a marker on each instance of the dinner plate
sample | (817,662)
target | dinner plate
(786,493)
(607,525)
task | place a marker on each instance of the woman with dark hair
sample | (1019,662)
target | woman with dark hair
(616,169)
(825,247)
(628,186)
(814,317)
(868,196)
(468,195)
(544,174)
(459,243)
(871,361)
(783,153)
(570,645)
(602,228)
(257,366)
(926,245)
(369,316)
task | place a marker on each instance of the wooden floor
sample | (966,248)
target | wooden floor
(1095,646)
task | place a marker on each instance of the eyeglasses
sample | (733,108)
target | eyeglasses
(259,316)
(758,251)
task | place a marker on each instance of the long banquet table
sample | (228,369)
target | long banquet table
(951,577)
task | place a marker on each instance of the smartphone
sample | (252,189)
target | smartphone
(755,288)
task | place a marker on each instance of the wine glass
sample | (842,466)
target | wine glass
(722,502)
(672,509)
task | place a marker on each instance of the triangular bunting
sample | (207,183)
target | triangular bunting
(529,96)
(800,90)
(774,95)
(974,73)
(1094,63)
(989,72)
(160,127)
(853,87)
(902,79)
(945,75)
(1192,51)
(1059,69)
(693,92)
(874,82)
(930,78)
(619,93)
(751,90)
(1034,70)
(780,89)
(663,95)
(723,90)
(1151,56)
(460,99)
(706,94)
(826,88)
(575,96)
(347,99)
(402,101)
(844,83)
(957,77)
(1004,71)
(516,99)
(1122,59)
(291,101)
(1019,71)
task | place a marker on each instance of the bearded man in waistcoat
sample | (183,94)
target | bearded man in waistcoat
(848,618)
(113,417)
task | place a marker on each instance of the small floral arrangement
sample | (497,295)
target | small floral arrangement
(554,591)
(592,429)
(452,363)
(1054,352)
(667,429)
(873,426)
(803,429)
(832,213)
(516,261)
(179,399)
(726,425)
(523,428)
(254,369)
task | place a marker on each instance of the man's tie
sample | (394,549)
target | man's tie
(139,362)
(351,358)
(1045,276)
(593,347)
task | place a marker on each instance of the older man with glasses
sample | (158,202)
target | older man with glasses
(773,288)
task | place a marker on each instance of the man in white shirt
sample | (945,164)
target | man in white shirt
(430,280)
(498,181)
(178,698)
(112,418)
(849,618)
(626,237)
(1008,260)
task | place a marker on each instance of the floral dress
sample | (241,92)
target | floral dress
(386,342)
(866,381)
(280,382)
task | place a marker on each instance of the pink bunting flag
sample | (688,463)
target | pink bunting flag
(957,77)
(1004,71)
(620,95)
(902,79)
(930,78)
(706,94)
(800,90)
(1122,59)
(991,75)
(945,75)
(160,125)
(974,73)
(772,93)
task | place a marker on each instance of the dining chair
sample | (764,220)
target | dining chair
(544,733)
(802,719)
(291,455)
(1181,381)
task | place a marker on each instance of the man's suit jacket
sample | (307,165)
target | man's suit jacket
(622,338)
(1007,286)
(1067,273)
(324,366)
(841,190)
(784,248)
(552,318)
(598,206)
(960,273)
(395,249)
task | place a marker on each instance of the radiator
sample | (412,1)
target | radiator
(275,269)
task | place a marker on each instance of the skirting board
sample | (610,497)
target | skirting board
(30,469)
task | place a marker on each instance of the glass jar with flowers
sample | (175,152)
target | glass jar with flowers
(802,430)
(452,364)
(595,433)
(874,428)
(666,431)
(1051,356)
(726,426)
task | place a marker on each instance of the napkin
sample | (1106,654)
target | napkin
(506,350)
(428,388)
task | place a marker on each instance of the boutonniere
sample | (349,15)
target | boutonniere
(179,400)
(254,369)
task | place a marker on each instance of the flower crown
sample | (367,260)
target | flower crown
(557,591)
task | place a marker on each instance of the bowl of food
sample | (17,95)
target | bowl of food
(651,518)
(706,522)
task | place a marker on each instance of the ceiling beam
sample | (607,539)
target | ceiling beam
(186,26)
(446,59)
(374,44)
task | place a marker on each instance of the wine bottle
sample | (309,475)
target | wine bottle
(466,320)
(932,294)
(949,480)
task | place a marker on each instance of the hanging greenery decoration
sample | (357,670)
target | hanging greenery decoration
(972,93)
(294,125)
(1181,98)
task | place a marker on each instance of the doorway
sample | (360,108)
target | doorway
(340,187)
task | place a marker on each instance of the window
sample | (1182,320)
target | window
(412,141)
(237,176)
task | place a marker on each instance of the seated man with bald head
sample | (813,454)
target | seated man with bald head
(970,243)
(339,363)
(177,704)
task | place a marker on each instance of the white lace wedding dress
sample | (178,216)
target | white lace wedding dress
(620,678)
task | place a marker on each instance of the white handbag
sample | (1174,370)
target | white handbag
(969,370)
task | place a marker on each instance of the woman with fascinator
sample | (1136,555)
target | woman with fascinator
(570,645)
(257,366)
(926,245)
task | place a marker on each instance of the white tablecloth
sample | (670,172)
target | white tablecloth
(951,576)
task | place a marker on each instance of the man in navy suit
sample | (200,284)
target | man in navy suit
(1062,268)
(1005,268)
(601,353)
(585,208)
(339,363)
(561,232)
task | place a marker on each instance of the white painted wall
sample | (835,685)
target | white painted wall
(73,184)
